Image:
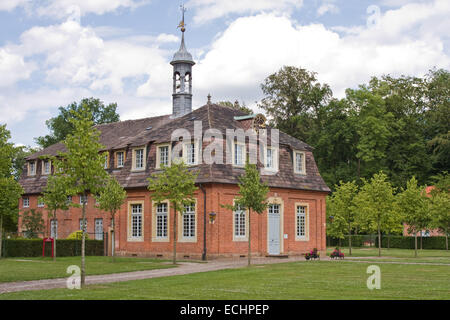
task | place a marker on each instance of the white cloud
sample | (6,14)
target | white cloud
(65,8)
(13,68)
(207,10)
(405,41)
(8,5)
(327,7)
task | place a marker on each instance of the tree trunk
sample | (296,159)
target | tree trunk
(415,244)
(174,259)
(379,241)
(83,243)
(113,238)
(249,237)
(54,240)
(1,235)
(421,241)
(446,241)
(349,240)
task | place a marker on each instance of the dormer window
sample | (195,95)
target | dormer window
(106,163)
(32,168)
(162,156)
(190,153)
(46,167)
(138,159)
(271,159)
(299,162)
(120,159)
(239,154)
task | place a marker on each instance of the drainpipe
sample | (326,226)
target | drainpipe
(204,222)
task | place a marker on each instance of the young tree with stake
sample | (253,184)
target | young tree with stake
(111,199)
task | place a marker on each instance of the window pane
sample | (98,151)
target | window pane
(139,158)
(239,223)
(191,153)
(189,221)
(269,163)
(120,158)
(299,162)
(164,156)
(161,220)
(136,220)
(301,221)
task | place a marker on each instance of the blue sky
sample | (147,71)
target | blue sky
(54,52)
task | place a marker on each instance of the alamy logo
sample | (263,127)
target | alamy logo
(74,281)
(374,281)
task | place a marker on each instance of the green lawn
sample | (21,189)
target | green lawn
(295,280)
(23,269)
(399,255)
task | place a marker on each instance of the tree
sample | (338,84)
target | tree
(439,207)
(295,100)
(111,199)
(252,197)
(55,198)
(236,105)
(340,205)
(176,183)
(411,204)
(33,223)
(61,125)
(374,203)
(10,190)
(82,166)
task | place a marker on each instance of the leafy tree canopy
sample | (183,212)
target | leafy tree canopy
(60,126)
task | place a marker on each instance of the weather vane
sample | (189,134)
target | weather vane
(182,25)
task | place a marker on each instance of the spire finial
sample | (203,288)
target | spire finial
(209,98)
(182,25)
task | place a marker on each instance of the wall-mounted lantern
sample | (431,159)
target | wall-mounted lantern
(212,217)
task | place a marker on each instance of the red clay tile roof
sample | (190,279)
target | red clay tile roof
(133,133)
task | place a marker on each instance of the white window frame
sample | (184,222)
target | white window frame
(120,165)
(161,214)
(158,155)
(34,163)
(40,203)
(69,200)
(81,223)
(26,202)
(81,199)
(275,155)
(237,219)
(155,214)
(44,167)
(303,171)
(187,145)
(182,218)
(134,167)
(243,154)
(299,214)
(138,237)
(106,163)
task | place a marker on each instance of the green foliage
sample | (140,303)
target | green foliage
(175,183)
(66,248)
(32,223)
(341,210)
(236,105)
(55,194)
(411,203)
(76,235)
(398,125)
(402,242)
(62,125)
(252,191)
(112,196)
(439,207)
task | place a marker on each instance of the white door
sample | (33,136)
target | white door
(273,231)
(98,229)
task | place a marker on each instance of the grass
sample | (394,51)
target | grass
(23,269)
(398,255)
(294,280)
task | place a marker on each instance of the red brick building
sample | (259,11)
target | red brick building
(293,223)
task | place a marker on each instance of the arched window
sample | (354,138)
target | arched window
(177,80)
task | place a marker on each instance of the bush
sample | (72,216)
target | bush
(407,242)
(65,248)
(77,235)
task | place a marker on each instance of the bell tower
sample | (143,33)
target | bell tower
(182,63)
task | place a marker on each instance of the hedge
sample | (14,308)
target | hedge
(64,248)
(401,242)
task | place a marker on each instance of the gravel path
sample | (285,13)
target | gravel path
(183,268)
